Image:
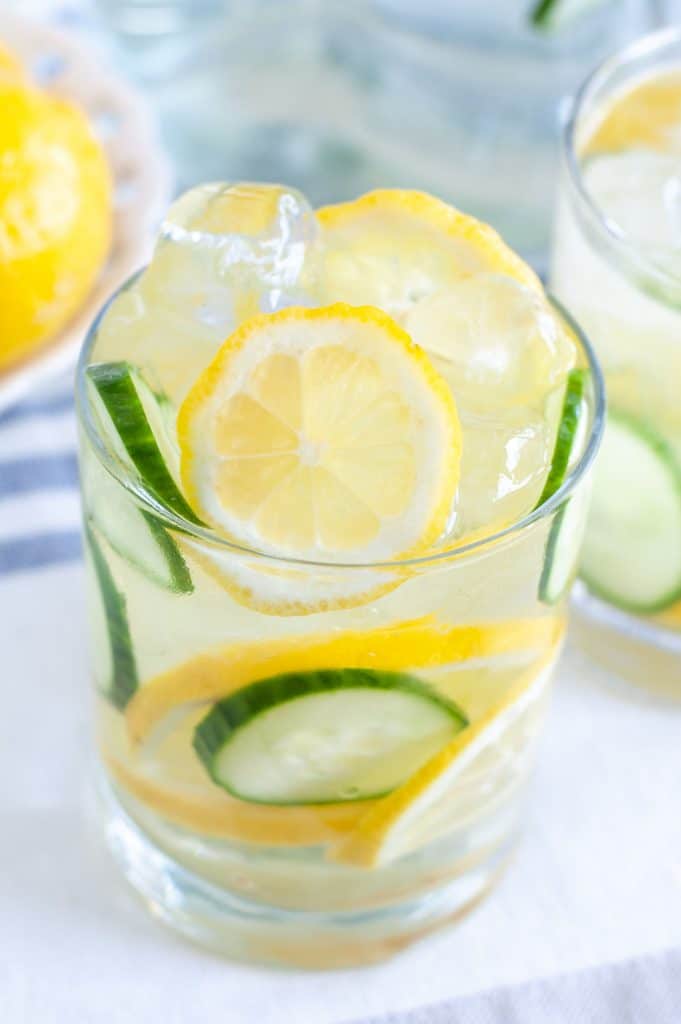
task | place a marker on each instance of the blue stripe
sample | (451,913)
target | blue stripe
(38,407)
(39,550)
(38,473)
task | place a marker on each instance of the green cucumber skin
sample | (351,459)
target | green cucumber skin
(124,680)
(539,15)
(666,454)
(228,715)
(180,581)
(575,390)
(115,385)
(542,14)
(572,410)
(547,595)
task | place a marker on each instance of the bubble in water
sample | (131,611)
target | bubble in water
(349,792)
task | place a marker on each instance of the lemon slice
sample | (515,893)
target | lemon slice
(322,434)
(425,807)
(392,248)
(288,589)
(671,616)
(647,114)
(412,644)
(223,816)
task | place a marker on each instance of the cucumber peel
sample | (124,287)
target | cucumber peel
(118,386)
(561,554)
(324,736)
(562,545)
(126,407)
(123,681)
(567,438)
(552,15)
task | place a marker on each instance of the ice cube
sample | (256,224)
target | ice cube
(228,251)
(503,468)
(640,194)
(504,354)
(497,343)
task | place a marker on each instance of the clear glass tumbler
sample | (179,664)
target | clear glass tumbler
(616,267)
(178,639)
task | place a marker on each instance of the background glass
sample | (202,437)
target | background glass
(628,297)
(463,100)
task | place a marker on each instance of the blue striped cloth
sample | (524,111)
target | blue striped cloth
(39,499)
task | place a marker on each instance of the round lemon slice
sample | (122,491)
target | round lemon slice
(322,434)
(426,807)
(392,248)
(288,589)
(646,114)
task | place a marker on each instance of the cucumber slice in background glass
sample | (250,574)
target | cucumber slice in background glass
(135,421)
(324,736)
(111,630)
(553,15)
(632,549)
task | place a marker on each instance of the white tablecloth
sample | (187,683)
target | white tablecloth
(596,880)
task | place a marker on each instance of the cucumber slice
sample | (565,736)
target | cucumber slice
(562,546)
(129,402)
(135,535)
(562,550)
(121,682)
(324,736)
(127,408)
(632,549)
(570,435)
(552,15)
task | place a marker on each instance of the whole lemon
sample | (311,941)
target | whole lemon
(55,215)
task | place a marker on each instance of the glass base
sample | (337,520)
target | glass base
(636,649)
(256,933)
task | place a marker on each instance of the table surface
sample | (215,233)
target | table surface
(597,877)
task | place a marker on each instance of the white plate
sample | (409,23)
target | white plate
(120,118)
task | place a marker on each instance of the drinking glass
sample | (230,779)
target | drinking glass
(617,271)
(184,623)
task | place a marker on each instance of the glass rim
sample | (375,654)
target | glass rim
(206,536)
(626,252)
